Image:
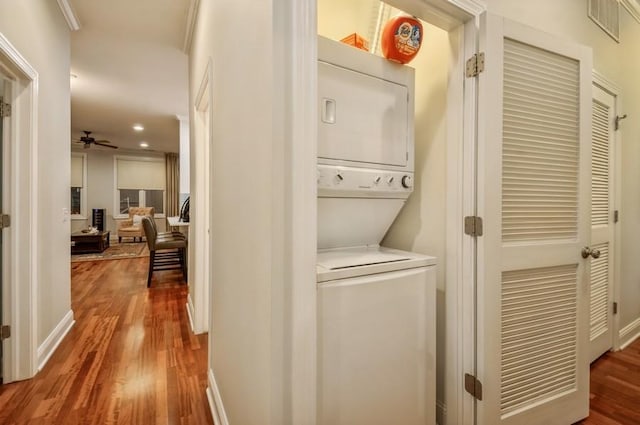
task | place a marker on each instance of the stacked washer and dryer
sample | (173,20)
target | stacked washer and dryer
(376,305)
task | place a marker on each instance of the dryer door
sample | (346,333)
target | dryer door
(362,118)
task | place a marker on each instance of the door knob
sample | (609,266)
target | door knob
(586,252)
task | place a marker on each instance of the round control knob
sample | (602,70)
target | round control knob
(407,182)
(339,176)
(390,180)
(377,179)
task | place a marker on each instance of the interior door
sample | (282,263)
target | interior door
(534,131)
(602,222)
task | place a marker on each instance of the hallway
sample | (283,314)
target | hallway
(130,358)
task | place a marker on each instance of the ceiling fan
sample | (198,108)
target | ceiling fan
(88,141)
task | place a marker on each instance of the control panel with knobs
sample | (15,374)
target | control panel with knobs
(334,180)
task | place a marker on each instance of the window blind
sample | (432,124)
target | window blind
(77,171)
(140,174)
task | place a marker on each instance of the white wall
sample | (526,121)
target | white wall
(338,19)
(618,62)
(101,186)
(629,295)
(242,334)
(421,225)
(39,32)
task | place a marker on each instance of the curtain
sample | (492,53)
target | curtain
(173,183)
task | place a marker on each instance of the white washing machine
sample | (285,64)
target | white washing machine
(376,339)
(376,305)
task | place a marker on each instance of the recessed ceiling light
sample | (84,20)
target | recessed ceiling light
(144,144)
(138,127)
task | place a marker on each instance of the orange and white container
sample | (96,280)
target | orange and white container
(401,39)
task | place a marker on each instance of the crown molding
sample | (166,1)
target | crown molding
(473,7)
(606,83)
(633,7)
(191,25)
(69,14)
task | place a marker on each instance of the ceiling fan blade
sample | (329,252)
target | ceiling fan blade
(105,145)
(102,141)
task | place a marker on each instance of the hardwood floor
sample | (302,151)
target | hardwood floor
(615,388)
(130,358)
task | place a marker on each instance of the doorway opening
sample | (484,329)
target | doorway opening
(603,326)
(444,155)
(19,239)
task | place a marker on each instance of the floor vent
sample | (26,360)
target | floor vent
(606,14)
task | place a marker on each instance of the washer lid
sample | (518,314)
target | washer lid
(358,261)
(342,260)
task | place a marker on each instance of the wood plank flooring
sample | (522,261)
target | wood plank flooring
(615,388)
(130,358)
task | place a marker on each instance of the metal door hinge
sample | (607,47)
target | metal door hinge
(5,332)
(473,225)
(5,221)
(616,216)
(615,307)
(475,65)
(5,109)
(473,386)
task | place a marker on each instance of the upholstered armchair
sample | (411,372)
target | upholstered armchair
(132,226)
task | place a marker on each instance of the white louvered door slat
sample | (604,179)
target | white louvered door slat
(534,172)
(602,227)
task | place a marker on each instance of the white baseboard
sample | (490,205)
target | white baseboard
(215,402)
(629,333)
(441,412)
(190,312)
(48,347)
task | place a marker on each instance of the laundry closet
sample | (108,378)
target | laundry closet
(381,208)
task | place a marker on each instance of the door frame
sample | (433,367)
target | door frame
(20,250)
(460,18)
(198,305)
(614,90)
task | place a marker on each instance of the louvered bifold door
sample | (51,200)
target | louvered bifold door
(602,227)
(534,196)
